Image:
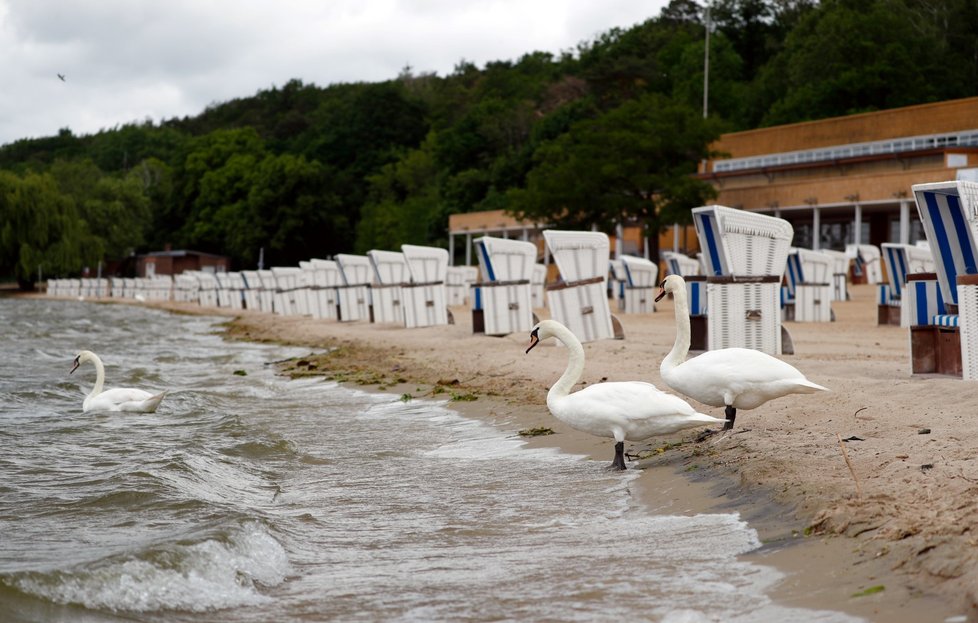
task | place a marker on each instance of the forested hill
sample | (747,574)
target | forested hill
(605,132)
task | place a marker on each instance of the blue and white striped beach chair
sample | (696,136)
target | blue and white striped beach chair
(949,214)
(900,260)
(680,264)
(808,290)
(744,254)
(638,294)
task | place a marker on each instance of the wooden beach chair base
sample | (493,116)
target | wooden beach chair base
(935,350)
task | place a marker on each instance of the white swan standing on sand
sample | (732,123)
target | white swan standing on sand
(632,410)
(118,399)
(735,378)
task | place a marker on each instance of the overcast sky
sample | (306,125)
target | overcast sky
(131,60)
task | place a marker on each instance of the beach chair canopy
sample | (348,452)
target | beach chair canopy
(904,259)
(680,264)
(501,259)
(949,214)
(426,264)
(390,267)
(354,269)
(286,277)
(639,272)
(461,275)
(808,266)
(579,255)
(326,273)
(737,242)
(840,260)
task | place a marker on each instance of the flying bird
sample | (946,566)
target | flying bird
(61,77)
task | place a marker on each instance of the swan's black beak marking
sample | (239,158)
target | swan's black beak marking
(662,291)
(75,367)
(534,340)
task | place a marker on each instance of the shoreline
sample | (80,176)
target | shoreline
(782,469)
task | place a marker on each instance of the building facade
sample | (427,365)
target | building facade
(847,179)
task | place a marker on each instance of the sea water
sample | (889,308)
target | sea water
(251,497)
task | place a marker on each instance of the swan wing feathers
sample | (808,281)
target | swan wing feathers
(639,410)
(124,399)
(709,377)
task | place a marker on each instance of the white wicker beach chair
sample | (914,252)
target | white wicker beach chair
(390,274)
(580,300)
(503,302)
(354,293)
(425,297)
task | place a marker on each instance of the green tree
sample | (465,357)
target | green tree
(851,56)
(41,229)
(632,164)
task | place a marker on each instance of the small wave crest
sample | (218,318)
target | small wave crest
(216,573)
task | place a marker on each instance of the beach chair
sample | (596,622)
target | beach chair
(286,285)
(458,281)
(744,257)
(223,290)
(866,264)
(390,274)
(839,274)
(186,288)
(326,279)
(353,296)
(899,260)
(503,298)
(425,297)
(302,294)
(266,293)
(207,290)
(538,286)
(579,300)
(946,342)
(236,289)
(639,287)
(680,264)
(252,291)
(807,295)
(616,283)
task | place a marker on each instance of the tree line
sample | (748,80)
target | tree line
(607,132)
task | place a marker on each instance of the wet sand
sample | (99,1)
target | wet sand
(911,526)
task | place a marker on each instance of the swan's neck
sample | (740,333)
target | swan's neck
(679,350)
(575,365)
(99,377)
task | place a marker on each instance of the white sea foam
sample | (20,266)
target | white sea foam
(208,575)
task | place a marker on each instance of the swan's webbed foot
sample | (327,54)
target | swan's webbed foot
(731,414)
(619,462)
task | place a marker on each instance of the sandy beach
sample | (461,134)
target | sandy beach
(892,539)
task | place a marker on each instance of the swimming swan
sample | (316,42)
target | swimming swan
(632,410)
(735,378)
(118,399)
